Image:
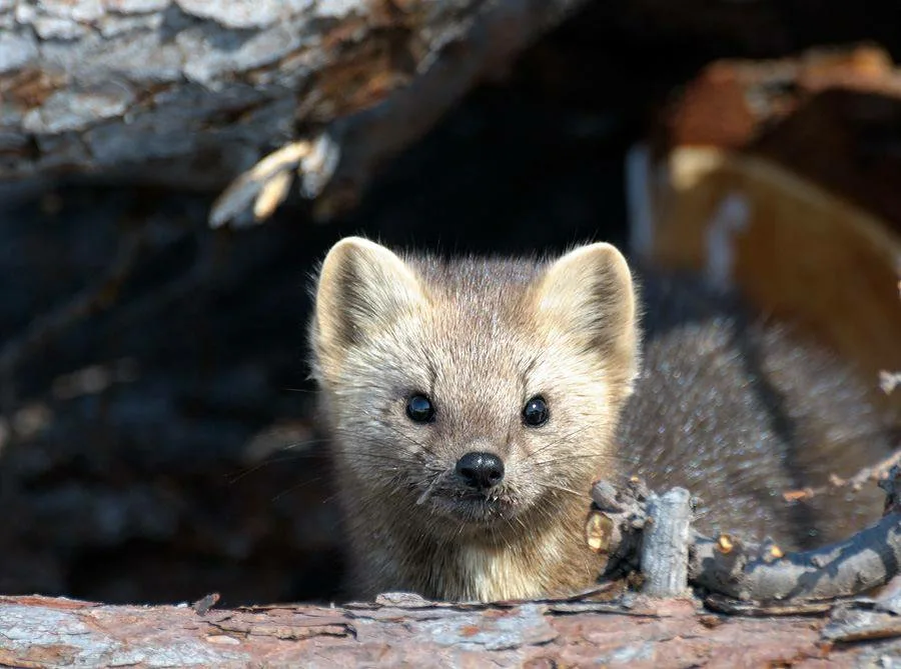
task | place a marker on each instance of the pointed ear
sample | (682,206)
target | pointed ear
(362,289)
(589,297)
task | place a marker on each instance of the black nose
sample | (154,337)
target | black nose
(480,470)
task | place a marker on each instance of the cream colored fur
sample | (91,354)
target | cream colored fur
(479,337)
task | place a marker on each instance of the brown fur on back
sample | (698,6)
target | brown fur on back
(739,411)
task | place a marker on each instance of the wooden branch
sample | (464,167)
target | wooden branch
(728,566)
(873,473)
(762,573)
(191,93)
(664,549)
(865,619)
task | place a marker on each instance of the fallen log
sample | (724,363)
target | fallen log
(404,630)
(192,93)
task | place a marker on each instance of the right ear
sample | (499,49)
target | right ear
(588,295)
(362,289)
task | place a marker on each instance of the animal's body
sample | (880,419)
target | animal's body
(472,402)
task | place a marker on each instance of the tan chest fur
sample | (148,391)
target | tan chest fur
(491,574)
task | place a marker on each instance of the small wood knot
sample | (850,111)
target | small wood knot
(603,494)
(770,552)
(598,529)
(725,544)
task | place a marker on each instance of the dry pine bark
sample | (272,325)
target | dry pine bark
(406,631)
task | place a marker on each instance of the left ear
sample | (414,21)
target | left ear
(590,296)
(362,289)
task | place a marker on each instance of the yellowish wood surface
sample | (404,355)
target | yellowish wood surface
(801,254)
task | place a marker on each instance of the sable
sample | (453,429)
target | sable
(471,401)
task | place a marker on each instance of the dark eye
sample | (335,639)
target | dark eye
(420,409)
(535,413)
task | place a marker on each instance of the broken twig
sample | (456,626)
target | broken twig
(874,473)
(729,567)
(664,553)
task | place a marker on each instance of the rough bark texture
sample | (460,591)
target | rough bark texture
(130,87)
(664,546)
(405,631)
(866,560)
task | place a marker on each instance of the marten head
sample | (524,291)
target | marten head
(472,395)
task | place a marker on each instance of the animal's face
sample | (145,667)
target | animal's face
(477,393)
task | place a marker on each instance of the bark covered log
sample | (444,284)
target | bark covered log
(402,630)
(192,93)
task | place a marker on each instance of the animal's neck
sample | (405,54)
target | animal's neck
(552,559)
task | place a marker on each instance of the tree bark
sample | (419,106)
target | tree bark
(192,93)
(664,546)
(403,630)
